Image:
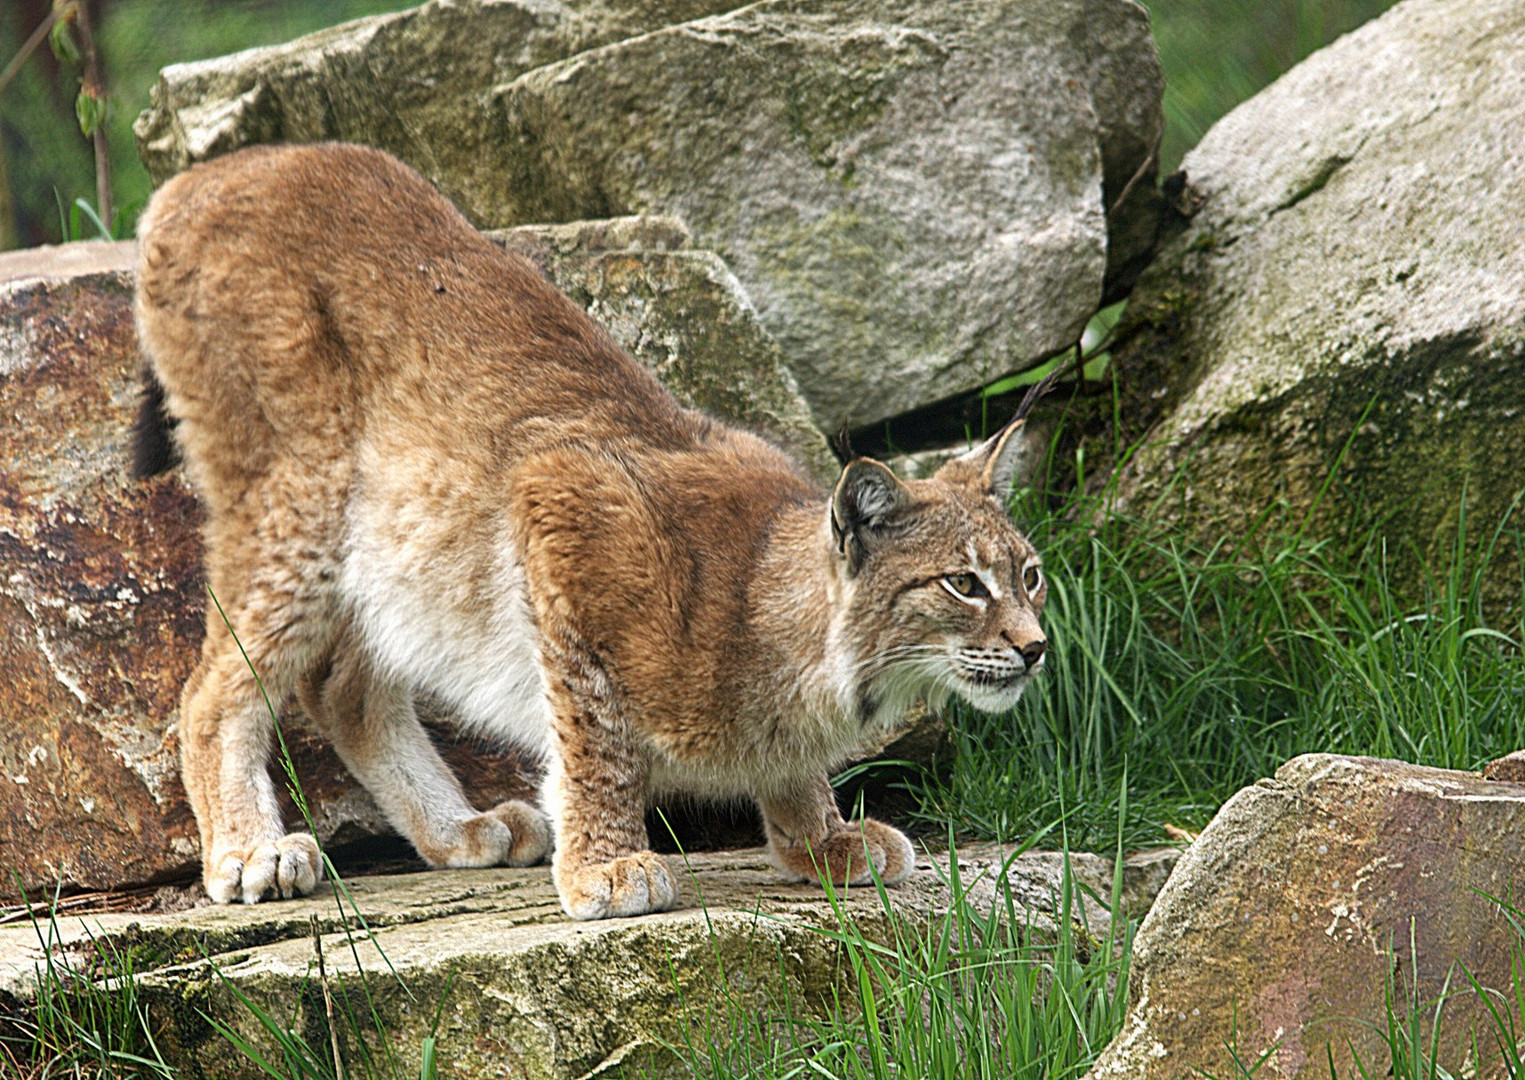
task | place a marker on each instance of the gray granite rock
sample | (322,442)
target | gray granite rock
(918,195)
(680,312)
(912,192)
(413,82)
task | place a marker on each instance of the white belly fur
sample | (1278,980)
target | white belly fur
(478,653)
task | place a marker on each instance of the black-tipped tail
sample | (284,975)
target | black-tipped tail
(153,448)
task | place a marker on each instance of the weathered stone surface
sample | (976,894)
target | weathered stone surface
(1510,767)
(682,314)
(100,589)
(911,192)
(533,994)
(412,82)
(1287,916)
(1350,294)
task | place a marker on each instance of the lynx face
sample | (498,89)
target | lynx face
(951,588)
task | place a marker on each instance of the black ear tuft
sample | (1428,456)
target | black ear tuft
(996,459)
(867,499)
(153,450)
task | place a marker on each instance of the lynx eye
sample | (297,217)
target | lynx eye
(1032,579)
(965,585)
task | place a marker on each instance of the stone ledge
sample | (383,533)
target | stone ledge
(533,992)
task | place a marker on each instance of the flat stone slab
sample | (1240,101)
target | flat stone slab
(531,993)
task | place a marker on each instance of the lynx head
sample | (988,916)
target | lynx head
(945,592)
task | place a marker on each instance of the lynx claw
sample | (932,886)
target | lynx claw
(292,866)
(630,885)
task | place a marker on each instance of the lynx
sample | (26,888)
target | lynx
(425,470)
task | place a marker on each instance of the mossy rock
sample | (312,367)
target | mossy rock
(918,195)
(412,82)
(1339,331)
(912,192)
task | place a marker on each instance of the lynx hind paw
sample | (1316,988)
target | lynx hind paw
(512,833)
(291,866)
(852,855)
(530,832)
(630,885)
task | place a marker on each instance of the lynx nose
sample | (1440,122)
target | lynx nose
(1033,651)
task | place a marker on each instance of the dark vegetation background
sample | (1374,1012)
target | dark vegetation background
(1216,53)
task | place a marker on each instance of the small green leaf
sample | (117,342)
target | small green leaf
(61,40)
(88,211)
(91,111)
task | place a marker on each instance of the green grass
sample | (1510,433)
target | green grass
(980,992)
(1179,672)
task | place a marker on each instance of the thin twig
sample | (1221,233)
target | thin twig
(38,37)
(95,86)
(328,1000)
(1138,174)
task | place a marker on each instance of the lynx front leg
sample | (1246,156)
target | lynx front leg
(595,790)
(371,721)
(808,839)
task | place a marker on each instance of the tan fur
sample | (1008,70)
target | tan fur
(424,469)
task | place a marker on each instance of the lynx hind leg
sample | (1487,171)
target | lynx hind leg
(226,734)
(371,721)
(808,840)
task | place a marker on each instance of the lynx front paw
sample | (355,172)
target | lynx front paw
(292,866)
(847,853)
(631,885)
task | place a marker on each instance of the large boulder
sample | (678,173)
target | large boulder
(910,190)
(1349,296)
(919,195)
(413,82)
(100,589)
(1309,899)
(516,988)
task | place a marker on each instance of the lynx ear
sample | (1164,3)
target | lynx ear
(995,459)
(868,496)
